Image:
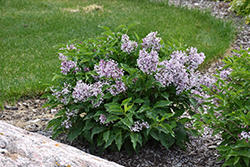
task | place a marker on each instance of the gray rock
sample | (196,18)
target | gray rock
(22,148)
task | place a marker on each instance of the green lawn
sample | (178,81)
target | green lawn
(29,30)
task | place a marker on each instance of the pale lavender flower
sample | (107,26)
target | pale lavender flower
(83,91)
(102,118)
(191,61)
(96,89)
(62,56)
(194,58)
(64,100)
(127,45)
(117,88)
(151,41)
(86,69)
(71,47)
(175,73)
(206,80)
(61,95)
(138,126)
(244,135)
(180,56)
(67,66)
(65,89)
(147,62)
(224,74)
(125,38)
(108,69)
(69,114)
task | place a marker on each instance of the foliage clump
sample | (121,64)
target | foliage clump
(228,110)
(241,7)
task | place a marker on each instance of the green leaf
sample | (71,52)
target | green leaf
(149,84)
(106,136)
(163,140)
(140,139)
(143,109)
(139,101)
(166,116)
(126,101)
(223,148)
(133,24)
(110,140)
(74,133)
(158,84)
(87,136)
(228,162)
(137,37)
(134,139)
(127,108)
(107,96)
(165,95)
(105,28)
(184,120)
(246,160)
(96,130)
(154,135)
(162,103)
(236,160)
(126,68)
(118,141)
(58,132)
(112,118)
(166,128)
(54,122)
(88,125)
(115,109)
(56,76)
(126,121)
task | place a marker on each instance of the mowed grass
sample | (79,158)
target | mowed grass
(29,30)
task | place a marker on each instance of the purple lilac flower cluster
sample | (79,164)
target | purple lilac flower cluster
(60,95)
(147,62)
(117,88)
(102,119)
(71,47)
(108,69)
(69,115)
(137,126)
(151,41)
(175,73)
(67,65)
(127,45)
(194,58)
(83,91)
(244,135)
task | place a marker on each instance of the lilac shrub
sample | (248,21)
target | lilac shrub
(126,92)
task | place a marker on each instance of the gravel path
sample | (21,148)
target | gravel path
(200,152)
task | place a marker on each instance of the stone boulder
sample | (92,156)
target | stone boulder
(19,147)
